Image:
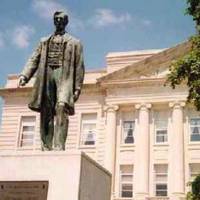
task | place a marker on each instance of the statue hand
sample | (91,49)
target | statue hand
(22,81)
(76,95)
(61,104)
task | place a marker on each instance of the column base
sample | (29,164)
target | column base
(113,195)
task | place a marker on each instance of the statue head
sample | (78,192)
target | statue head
(60,20)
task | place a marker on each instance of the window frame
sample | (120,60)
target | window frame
(190,171)
(190,133)
(161,190)
(156,183)
(121,183)
(161,129)
(123,136)
(22,124)
(81,145)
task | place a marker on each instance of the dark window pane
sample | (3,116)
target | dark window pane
(195,121)
(127,187)
(24,136)
(161,132)
(161,193)
(128,132)
(89,143)
(161,187)
(127,190)
(161,190)
(90,138)
(195,137)
(161,136)
(129,140)
(160,139)
(195,130)
(28,128)
(127,193)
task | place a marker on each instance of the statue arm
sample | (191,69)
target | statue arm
(80,70)
(32,64)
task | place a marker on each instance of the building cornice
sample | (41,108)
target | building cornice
(24,91)
(16,91)
(133,82)
(158,99)
(95,87)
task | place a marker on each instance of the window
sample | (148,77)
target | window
(126,181)
(161,116)
(27,131)
(194,170)
(88,129)
(195,129)
(161,131)
(128,132)
(160,179)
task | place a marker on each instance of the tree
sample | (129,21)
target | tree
(195,192)
(193,9)
(187,69)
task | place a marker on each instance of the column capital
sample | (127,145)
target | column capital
(111,108)
(143,106)
(177,104)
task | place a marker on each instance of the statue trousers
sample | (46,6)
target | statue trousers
(53,119)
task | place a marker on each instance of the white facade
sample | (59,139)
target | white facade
(126,119)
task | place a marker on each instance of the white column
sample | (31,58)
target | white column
(111,126)
(176,152)
(141,164)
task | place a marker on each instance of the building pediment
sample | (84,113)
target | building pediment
(153,67)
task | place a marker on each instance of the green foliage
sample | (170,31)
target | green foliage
(187,69)
(194,10)
(196,188)
(189,196)
(195,193)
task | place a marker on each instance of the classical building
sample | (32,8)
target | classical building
(143,132)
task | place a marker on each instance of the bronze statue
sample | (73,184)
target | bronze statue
(58,67)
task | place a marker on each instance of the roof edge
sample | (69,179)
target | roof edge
(186,45)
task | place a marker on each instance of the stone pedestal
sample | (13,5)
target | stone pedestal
(70,175)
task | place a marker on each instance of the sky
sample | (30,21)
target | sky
(103,26)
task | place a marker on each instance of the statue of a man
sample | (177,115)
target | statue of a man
(58,67)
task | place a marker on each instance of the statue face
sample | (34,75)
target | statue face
(60,22)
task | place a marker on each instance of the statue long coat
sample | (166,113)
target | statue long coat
(72,74)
